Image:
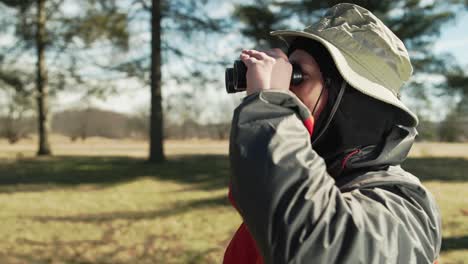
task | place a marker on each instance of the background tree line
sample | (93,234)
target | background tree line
(81,124)
(91,45)
(94,46)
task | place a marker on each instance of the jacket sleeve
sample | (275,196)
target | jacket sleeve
(295,212)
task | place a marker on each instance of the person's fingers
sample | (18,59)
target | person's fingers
(277,53)
(266,54)
(252,60)
(259,55)
(248,60)
(250,53)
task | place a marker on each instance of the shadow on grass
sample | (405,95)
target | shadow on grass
(454,243)
(202,171)
(138,215)
(441,169)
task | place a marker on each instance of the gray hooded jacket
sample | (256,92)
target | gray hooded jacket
(298,213)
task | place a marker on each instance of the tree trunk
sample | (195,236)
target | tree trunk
(156,118)
(42,90)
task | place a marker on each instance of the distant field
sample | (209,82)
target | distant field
(102,147)
(133,148)
(98,201)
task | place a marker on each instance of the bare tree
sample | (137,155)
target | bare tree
(41,82)
(156,122)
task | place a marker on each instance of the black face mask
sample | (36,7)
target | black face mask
(359,120)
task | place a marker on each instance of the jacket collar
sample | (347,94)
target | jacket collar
(392,151)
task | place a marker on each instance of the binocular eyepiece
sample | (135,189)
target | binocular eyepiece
(236,81)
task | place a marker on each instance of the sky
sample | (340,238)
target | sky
(132,97)
(453,40)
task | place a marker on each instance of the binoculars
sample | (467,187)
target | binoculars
(236,81)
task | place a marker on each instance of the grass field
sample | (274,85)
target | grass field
(101,202)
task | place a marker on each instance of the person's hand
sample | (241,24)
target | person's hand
(266,70)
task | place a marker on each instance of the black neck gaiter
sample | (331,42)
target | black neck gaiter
(360,119)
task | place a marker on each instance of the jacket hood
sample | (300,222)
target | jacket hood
(392,151)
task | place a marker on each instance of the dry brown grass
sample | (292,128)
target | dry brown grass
(62,146)
(439,149)
(137,148)
(97,201)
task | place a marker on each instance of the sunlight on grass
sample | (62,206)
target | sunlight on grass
(147,220)
(77,208)
(453,204)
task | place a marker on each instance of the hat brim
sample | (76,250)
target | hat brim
(355,74)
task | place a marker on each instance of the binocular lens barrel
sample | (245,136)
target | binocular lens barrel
(236,81)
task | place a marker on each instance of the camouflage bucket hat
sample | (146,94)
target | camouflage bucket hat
(369,56)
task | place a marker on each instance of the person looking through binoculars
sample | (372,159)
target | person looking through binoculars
(316,147)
